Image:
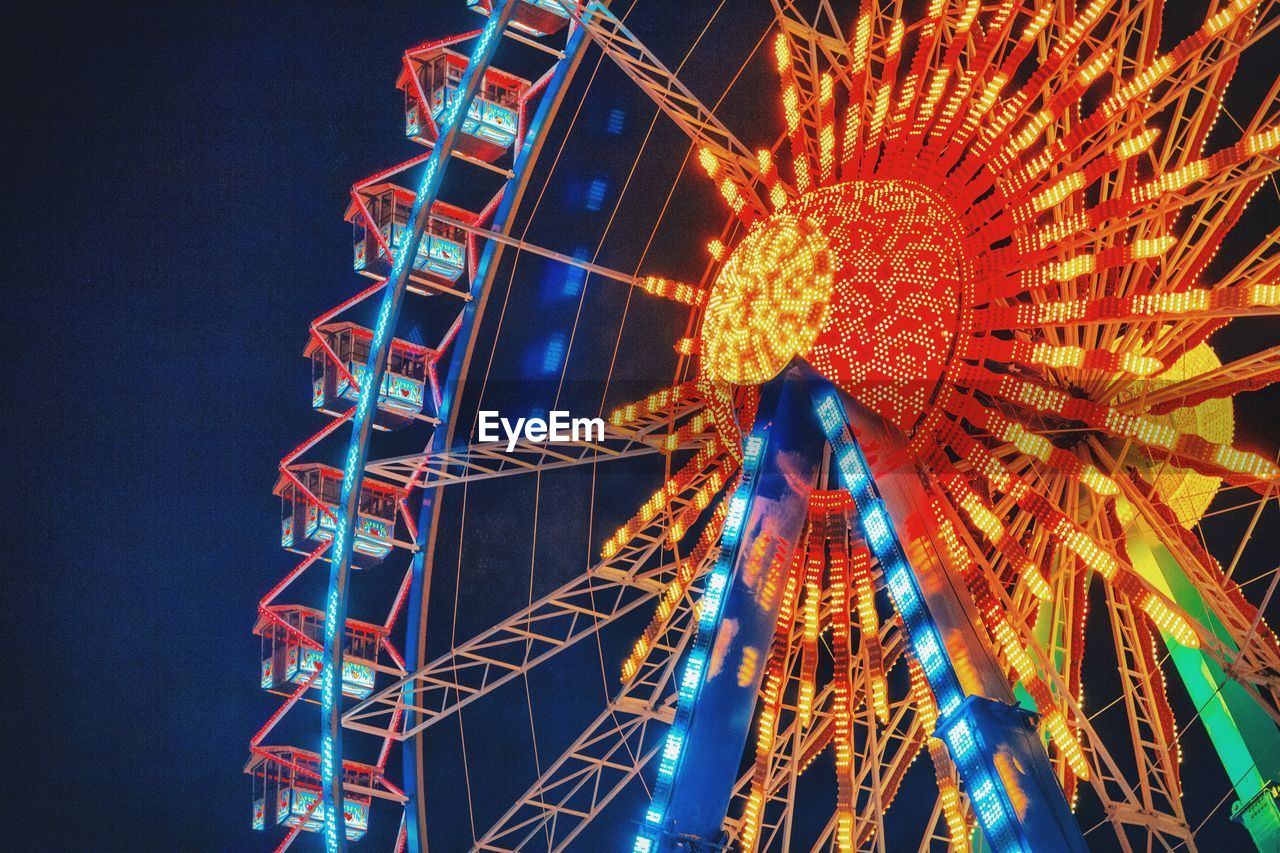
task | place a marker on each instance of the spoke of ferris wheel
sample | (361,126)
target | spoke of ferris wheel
(671,96)
(885,757)
(1117,795)
(486,460)
(815,45)
(530,637)
(515,646)
(1251,371)
(783,772)
(794,745)
(1255,665)
(535,249)
(1155,754)
(936,833)
(608,755)
(792,739)
(880,764)
(804,42)
(1210,217)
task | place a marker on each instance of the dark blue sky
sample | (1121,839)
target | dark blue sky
(180,176)
(177,177)
(176,204)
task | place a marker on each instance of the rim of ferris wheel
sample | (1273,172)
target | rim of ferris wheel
(743,181)
(548,91)
(428,517)
(353,470)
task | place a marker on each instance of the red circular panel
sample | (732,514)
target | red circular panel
(899,269)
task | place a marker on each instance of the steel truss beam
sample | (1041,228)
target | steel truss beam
(879,762)
(832,46)
(605,758)
(483,461)
(611,588)
(1120,802)
(540,251)
(805,43)
(793,746)
(1159,785)
(662,86)
(1255,665)
(1244,374)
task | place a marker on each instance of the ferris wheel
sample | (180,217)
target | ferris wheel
(947,433)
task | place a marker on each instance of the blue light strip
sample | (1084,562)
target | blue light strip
(986,790)
(691,677)
(421,566)
(362,423)
(877,529)
(989,802)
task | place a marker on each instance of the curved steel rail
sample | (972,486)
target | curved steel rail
(442,439)
(362,425)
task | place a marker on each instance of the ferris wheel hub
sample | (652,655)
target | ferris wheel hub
(862,279)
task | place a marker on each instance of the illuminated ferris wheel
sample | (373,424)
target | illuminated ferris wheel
(945,429)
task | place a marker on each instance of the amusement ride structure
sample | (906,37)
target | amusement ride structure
(944,408)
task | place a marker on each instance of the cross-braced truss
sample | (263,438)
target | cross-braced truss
(1042,489)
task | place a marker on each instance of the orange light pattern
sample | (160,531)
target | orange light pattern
(842,653)
(993,228)
(675,590)
(1003,636)
(815,559)
(731,420)
(774,682)
(944,770)
(769,301)
(696,425)
(949,794)
(656,403)
(707,461)
(822,568)
(1071,537)
(893,308)
(713,484)
(676,291)
(869,625)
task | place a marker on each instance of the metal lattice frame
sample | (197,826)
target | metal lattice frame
(531,637)
(615,748)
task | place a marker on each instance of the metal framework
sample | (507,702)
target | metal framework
(484,461)
(1050,437)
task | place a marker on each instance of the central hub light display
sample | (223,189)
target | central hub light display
(770,299)
(862,279)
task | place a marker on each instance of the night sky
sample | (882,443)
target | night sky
(177,176)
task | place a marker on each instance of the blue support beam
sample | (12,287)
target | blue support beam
(362,423)
(1000,758)
(721,678)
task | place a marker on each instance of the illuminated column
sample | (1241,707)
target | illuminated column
(1244,735)
(699,760)
(1001,760)
(442,438)
(362,423)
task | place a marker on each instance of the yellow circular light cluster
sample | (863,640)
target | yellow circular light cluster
(1188,493)
(769,301)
